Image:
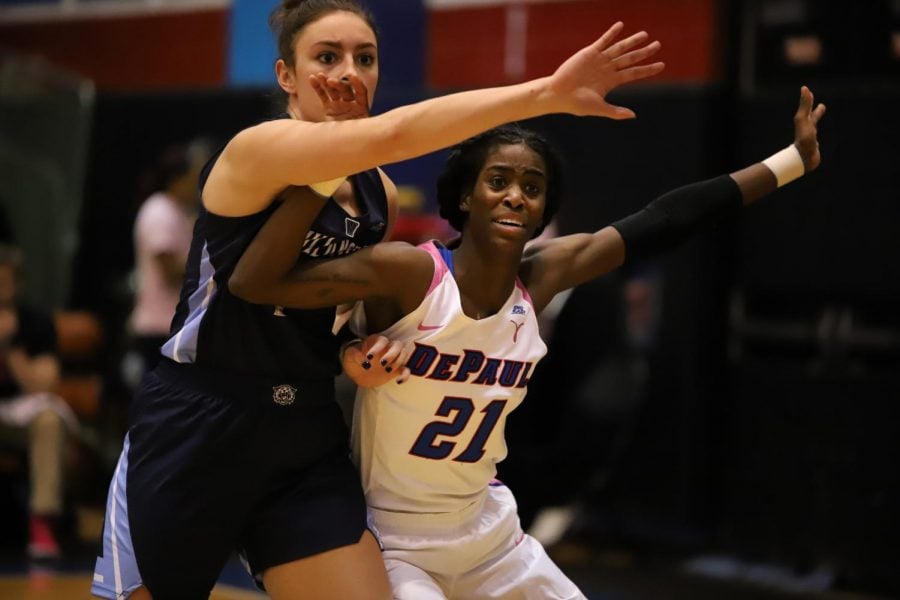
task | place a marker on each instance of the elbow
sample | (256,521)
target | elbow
(240,287)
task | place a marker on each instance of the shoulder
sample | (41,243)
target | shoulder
(400,266)
(257,140)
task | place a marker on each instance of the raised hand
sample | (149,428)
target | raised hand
(806,120)
(344,99)
(584,79)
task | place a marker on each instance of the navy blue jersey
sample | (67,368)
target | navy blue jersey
(218,330)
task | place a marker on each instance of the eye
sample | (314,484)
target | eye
(532,190)
(327,58)
(366,60)
(497,182)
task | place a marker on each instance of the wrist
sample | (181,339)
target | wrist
(787,165)
(543,96)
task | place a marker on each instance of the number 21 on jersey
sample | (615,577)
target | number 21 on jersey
(427,446)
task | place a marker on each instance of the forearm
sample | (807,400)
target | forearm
(318,284)
(441,122)
(266,263)
(677,215)
(681,213)
(302,153)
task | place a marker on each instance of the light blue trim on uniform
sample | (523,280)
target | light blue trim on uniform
(116,573)
(182,347)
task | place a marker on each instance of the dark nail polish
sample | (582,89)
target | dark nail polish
(383,361)
(388,369)
(370,356)
(367,365)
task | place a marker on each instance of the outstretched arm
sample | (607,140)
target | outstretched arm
(565,262)
(262,160)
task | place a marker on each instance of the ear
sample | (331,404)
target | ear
(465,203)
(285,77)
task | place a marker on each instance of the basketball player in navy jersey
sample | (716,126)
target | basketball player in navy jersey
(427,446)
(235,440)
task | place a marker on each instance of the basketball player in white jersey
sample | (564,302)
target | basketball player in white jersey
(427,442)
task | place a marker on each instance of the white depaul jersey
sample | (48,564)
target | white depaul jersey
(431,444)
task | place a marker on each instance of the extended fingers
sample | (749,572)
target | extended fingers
(630,74)
(607,38)
(818,113)
(623,46)
(360,92)
(340,90)
(805,108)
(318,85)
(636,56)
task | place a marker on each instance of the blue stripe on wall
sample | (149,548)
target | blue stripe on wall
(251,54)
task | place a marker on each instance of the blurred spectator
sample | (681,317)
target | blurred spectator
(32,417)
(162,238)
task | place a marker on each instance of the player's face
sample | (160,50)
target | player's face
(339,44)
(510,193)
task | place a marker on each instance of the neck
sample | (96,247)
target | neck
(485,276)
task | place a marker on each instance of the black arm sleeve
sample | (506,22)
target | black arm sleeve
(677,215)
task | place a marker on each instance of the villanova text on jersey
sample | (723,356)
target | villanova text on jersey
(320,245)
(474,367)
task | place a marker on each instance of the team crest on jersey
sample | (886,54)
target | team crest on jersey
(284,394)
(518,309)
(350,226)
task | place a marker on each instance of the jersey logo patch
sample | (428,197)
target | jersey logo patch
(516,332)
(423,327)
(284,394)
(518,309)
(350,226)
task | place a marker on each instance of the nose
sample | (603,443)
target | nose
(513,197)
(348,68)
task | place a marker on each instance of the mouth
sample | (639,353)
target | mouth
(507,222)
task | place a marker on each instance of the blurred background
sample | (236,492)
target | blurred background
(723,422)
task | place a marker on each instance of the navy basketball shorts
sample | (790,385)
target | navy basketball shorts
(215,463)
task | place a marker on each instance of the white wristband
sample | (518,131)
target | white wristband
(787,165)
(327,188)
